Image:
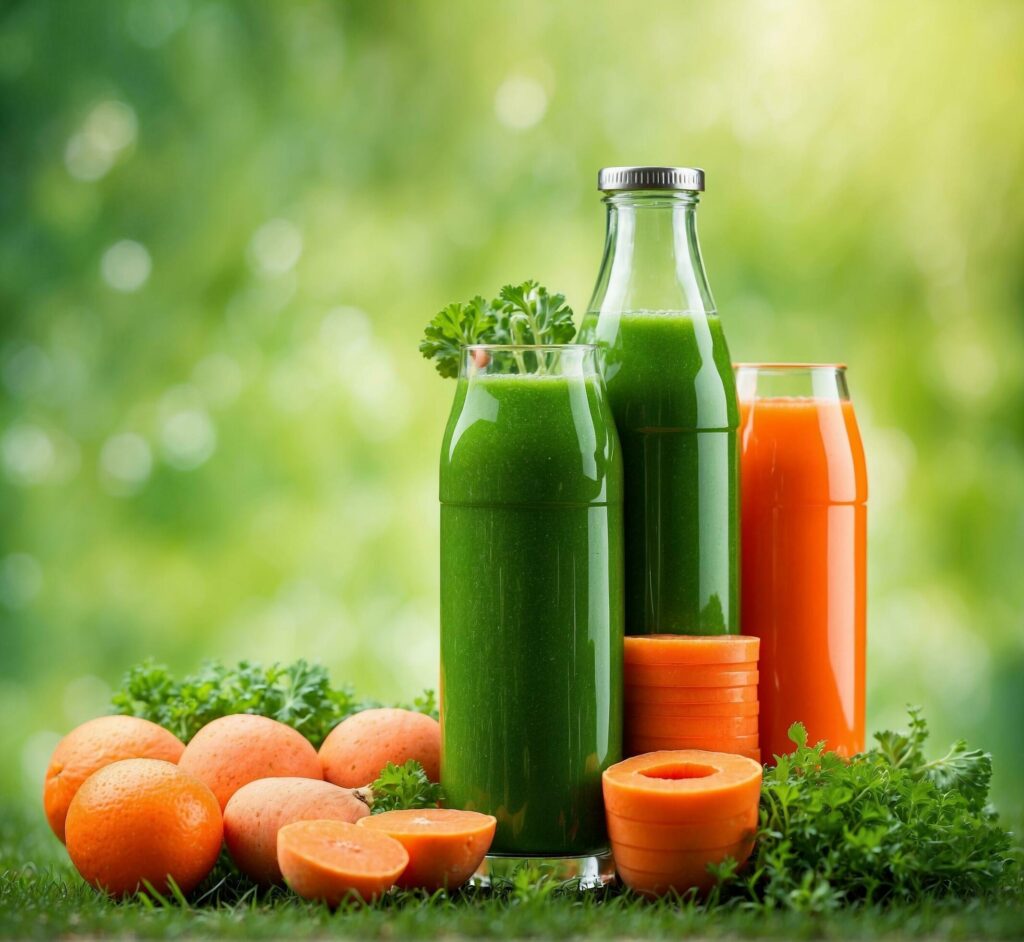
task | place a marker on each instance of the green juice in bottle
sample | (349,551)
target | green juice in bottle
(671,387)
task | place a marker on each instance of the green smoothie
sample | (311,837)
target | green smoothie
(531,606)
(671,386)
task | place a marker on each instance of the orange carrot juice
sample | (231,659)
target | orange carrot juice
(803,498)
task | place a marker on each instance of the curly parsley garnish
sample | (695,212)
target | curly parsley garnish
(521,314)
(884,826)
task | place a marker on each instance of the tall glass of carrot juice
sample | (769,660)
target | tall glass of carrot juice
(803,487)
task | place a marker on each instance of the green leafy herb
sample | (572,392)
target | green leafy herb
(399,787)
(885,826)
(521,314)
(300,695)
(455,327)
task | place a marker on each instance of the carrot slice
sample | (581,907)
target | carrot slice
(679,871)
(332,860)
(702,675)
(689,695)
(681,863)
(638,745)
(697,835)
(744,708)
(682,786)
(445,846)
(691,649)
(651,724)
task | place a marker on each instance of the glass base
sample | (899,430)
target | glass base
(592,870)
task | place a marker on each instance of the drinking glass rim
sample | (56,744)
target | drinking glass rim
(512,347)
(783,367)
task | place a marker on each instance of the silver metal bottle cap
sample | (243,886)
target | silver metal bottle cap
(650,178)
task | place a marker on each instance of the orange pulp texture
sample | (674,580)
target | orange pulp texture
(445,846)
(333,860)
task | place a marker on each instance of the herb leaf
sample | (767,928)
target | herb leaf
(535,316)
(884,826)
(300,695)
(400,787)
(521,314)
(454,327)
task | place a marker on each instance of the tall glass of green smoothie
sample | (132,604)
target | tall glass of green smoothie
(672,391)
(531,596)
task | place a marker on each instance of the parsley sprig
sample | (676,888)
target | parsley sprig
(399,787)
(300,695)
(521,314)
(885,826)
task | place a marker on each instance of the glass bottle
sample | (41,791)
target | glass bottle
(804,525)
(531,596)
(672,391)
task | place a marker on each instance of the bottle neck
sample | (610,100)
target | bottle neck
(652,258)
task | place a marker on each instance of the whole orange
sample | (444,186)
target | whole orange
(143,819)
(93,745)
(232,751)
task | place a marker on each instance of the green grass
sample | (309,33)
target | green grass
(42,897)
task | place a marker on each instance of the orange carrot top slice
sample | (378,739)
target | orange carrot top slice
(691,649)
(332,860)
(680,786)
(445,846)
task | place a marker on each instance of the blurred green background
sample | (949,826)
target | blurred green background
(225,224)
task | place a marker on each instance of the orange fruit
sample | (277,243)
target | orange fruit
(141,820)
(257,811)
(332,860)
(361,745)
(234,750)
(93,745)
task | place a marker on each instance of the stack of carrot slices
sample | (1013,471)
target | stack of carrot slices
(672,814)
(691,692)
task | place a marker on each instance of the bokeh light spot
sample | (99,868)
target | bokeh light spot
(110,128)
(188,438)
(126,266)
(520,102)
(28,454)
(275,247)
(126,462)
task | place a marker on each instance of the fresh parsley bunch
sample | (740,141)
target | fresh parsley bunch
(300,695)
(521,314)
(885,826)
(401,787)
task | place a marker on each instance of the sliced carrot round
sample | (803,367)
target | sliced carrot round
(653,885)
(744,708)
(333,860)
(672,696)
(696,835)
(680,859)
(682,786)
(679,871)
(638,745)
(691,649)
(703,675)
(445,846)
(646,724)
